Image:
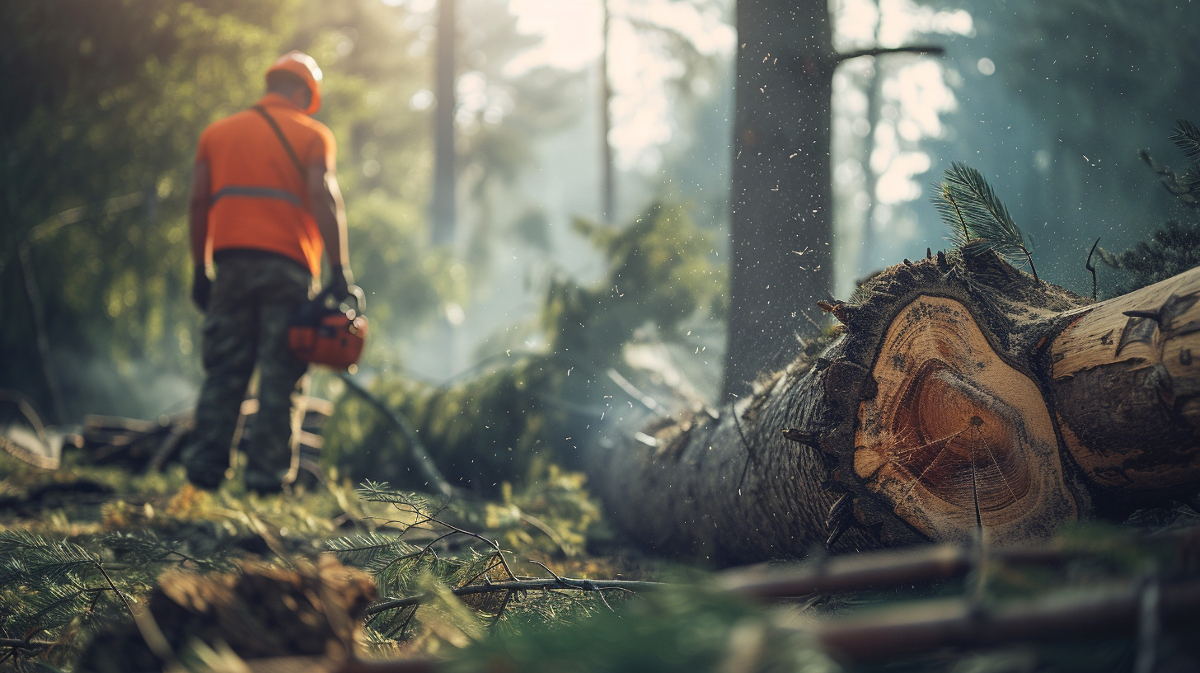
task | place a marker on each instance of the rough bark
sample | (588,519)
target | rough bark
(442,207)
(960,393)
(1133,363)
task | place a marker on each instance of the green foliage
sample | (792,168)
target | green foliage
(421,567)
(977,218)
(524,411)
(52,587)
(1175,247)
(1187,139)
(479,432)
(660,271)
(1172,250)
(99,132)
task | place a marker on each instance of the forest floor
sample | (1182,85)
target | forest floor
(518,584)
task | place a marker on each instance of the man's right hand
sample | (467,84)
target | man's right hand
(340,281)
(201,289)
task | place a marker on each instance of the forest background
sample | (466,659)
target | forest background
(105,100)
(513,340)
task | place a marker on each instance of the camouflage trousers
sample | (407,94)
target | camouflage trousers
(246,326)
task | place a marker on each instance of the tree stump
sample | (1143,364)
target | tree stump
(958,394)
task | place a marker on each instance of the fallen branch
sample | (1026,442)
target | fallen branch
(540,584)
(860,572)
(1169,180)
(27,645)
(412,665)
(433,476)
(909,629)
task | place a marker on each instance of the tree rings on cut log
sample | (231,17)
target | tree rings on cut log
(955,437)
(1126,376)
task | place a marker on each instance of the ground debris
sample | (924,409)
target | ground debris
(257,612)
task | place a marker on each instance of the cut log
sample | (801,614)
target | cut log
(1128,390)
(958,394)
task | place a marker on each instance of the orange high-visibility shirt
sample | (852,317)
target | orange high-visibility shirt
(259,200)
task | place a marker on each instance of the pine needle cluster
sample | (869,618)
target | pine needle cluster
(55,591)
(420,552)
(977,219)
(1187,139)
(1172,250)
(51,588)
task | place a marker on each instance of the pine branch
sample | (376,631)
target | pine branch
(58,561)
(540,584)
(929,627)
(1185,187)
(362,549)
(29,645)
(17,541)
(53,575)
(978,219)
(947,207)
(373,491)
(1187,139)
(1172,250)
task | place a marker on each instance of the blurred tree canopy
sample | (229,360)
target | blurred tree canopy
(102,105)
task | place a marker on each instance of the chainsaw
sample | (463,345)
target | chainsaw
(324,331)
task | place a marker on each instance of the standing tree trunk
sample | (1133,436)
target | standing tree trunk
(608,186)
(780,202)
(442,212)
(960,394)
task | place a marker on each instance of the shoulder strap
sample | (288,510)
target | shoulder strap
(282,139)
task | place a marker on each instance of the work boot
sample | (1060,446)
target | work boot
(263,483)
(202,470)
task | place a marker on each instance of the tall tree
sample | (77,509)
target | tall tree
(781,221)
(608,187)
(443,211)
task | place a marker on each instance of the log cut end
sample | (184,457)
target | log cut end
(955,437)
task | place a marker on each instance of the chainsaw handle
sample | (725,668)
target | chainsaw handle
(360,298)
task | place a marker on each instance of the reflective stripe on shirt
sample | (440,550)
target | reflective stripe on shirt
(258,192)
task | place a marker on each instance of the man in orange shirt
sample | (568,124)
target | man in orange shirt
(264,205)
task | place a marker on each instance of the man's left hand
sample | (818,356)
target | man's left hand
(339,283)
(201,289)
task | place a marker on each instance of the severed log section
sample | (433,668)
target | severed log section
(956,438)
(959,394)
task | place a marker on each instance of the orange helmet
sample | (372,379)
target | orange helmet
(303,65)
